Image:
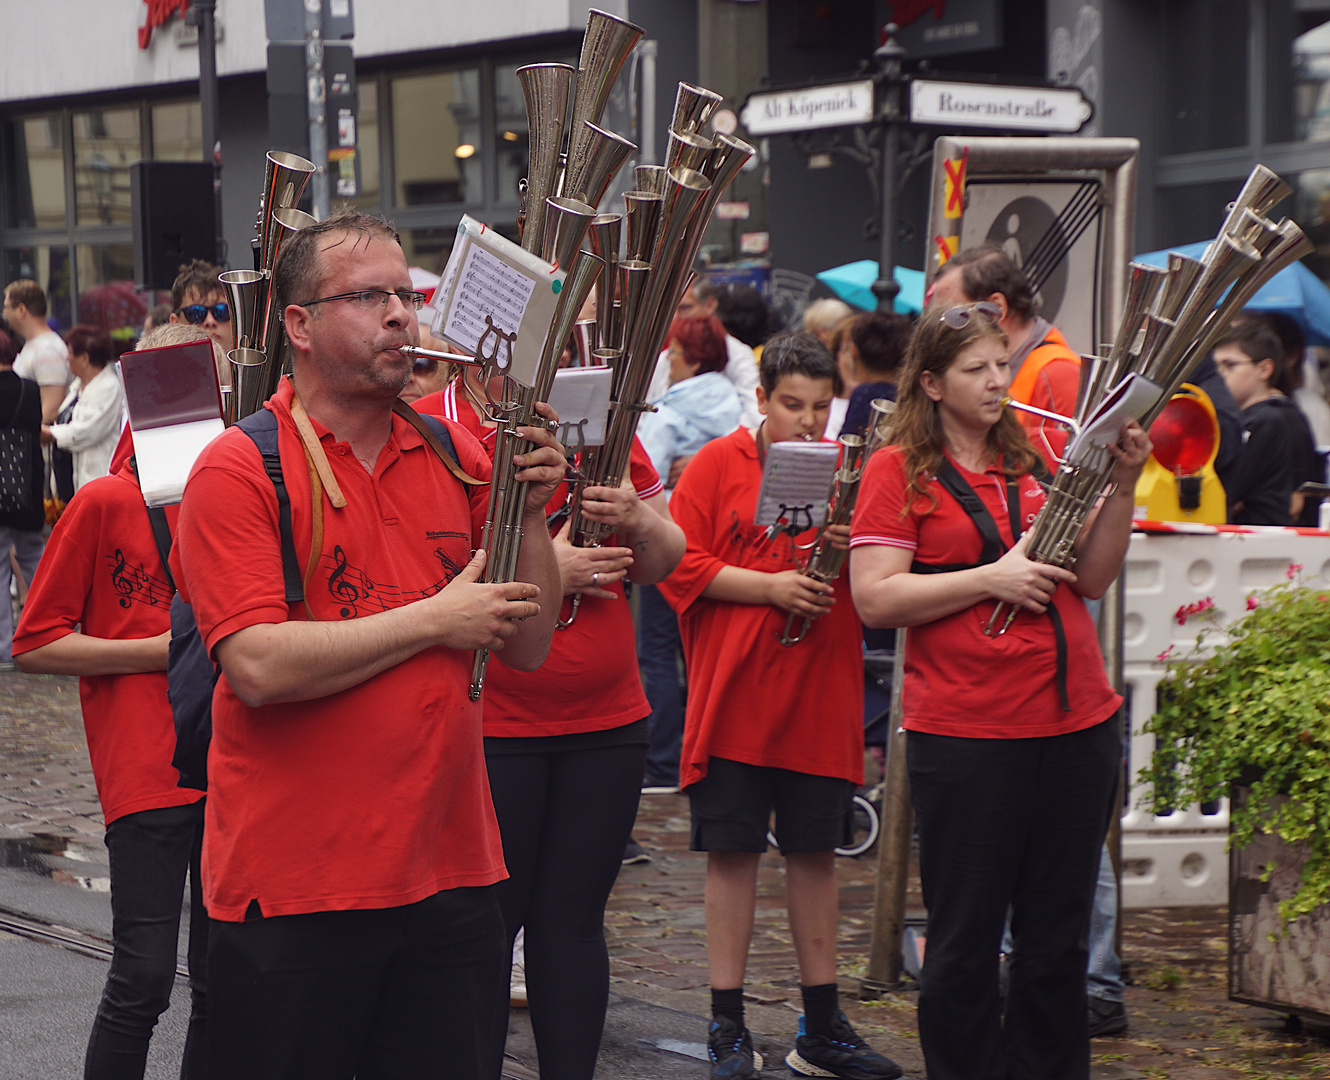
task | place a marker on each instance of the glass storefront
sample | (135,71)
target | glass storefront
(436,139)
(106,141)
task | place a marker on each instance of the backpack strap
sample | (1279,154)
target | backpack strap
(439,439)
(961,491)
(261,427)
(161,535)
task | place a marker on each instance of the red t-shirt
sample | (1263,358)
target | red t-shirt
(376,796)
(958,680)
(589,681)
(101,572)
(750,698)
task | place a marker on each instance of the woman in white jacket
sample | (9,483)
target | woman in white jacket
(701,404)
(98,400)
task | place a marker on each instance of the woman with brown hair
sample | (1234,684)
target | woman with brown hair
(1013,753)
(88,424)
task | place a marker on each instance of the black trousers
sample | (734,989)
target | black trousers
(404,993)
(1014,822)
(565,816)
(150,852)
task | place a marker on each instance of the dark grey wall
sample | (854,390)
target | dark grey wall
(817,215)
(672,24)
(244,137)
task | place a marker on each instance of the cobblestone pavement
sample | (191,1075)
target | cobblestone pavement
(46,785)
(1183,1027)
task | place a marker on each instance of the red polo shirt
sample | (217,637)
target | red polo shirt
(376,796)
(958,680)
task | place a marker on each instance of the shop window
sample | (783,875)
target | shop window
(367,145)
(48,266)
(1193,212)
(177,131)
(1298,83)
(106,142)
(35,172)
(1311,210)
(428,248)
(510,133)
(107,297)
(1204,58)
(437,145)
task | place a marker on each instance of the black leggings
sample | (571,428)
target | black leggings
(565,816)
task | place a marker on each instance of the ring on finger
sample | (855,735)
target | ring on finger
(595,579)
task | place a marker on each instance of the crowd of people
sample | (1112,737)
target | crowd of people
(380,866)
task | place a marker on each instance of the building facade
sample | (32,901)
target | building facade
(1208,86)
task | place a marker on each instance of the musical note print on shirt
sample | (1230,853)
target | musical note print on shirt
(135,584)
(745,535)
(355,594)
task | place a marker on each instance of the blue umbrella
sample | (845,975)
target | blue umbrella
(853,283)
(1295,290)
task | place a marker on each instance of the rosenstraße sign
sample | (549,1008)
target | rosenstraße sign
(983,105)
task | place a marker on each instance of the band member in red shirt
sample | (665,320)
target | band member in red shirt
(351,847)
(768,726)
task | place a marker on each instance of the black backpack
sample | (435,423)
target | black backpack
(191,674)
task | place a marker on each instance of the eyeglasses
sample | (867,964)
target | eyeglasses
(1225,366)
(368,299)
(196,313)
(958,317)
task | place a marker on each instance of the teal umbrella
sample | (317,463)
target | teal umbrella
(853,283)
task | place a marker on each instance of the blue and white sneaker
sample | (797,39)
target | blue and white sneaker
(841,1054)
(731,1050)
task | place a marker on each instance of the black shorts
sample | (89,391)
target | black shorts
(731,809)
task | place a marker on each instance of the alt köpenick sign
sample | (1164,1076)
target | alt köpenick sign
(777,112)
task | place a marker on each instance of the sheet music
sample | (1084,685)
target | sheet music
(517,293)
(486,286)
(581,397)
(1129,400)
(796,484)
(165,456)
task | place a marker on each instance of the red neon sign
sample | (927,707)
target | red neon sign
(159,14)
(904,12)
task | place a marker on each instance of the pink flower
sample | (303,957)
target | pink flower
(1293,569)
(1253,603)
(1187,610)
(1164,656)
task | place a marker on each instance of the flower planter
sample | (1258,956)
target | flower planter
(1290,973)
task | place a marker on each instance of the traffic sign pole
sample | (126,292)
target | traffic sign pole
(888,83)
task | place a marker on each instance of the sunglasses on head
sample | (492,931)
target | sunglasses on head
(196,313)
(958,317)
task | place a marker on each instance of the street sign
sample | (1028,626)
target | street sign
(806,108)
(1013,108)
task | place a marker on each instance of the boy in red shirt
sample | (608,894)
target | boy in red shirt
(100,608)
(754,743)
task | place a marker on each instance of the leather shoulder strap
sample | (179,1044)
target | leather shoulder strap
(436,436)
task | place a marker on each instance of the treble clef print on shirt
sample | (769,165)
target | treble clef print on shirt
(121,582)
(340,587)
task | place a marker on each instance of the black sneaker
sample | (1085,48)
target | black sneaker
(731,1050)
(841,1054)
(1106,1017)
(635,853)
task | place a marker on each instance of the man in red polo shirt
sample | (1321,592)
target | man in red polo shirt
(351,846)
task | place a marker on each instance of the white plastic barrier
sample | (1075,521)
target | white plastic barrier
(1178,859)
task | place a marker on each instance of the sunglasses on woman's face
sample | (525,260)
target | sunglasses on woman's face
(958,317)
(196,313)
(425,365)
